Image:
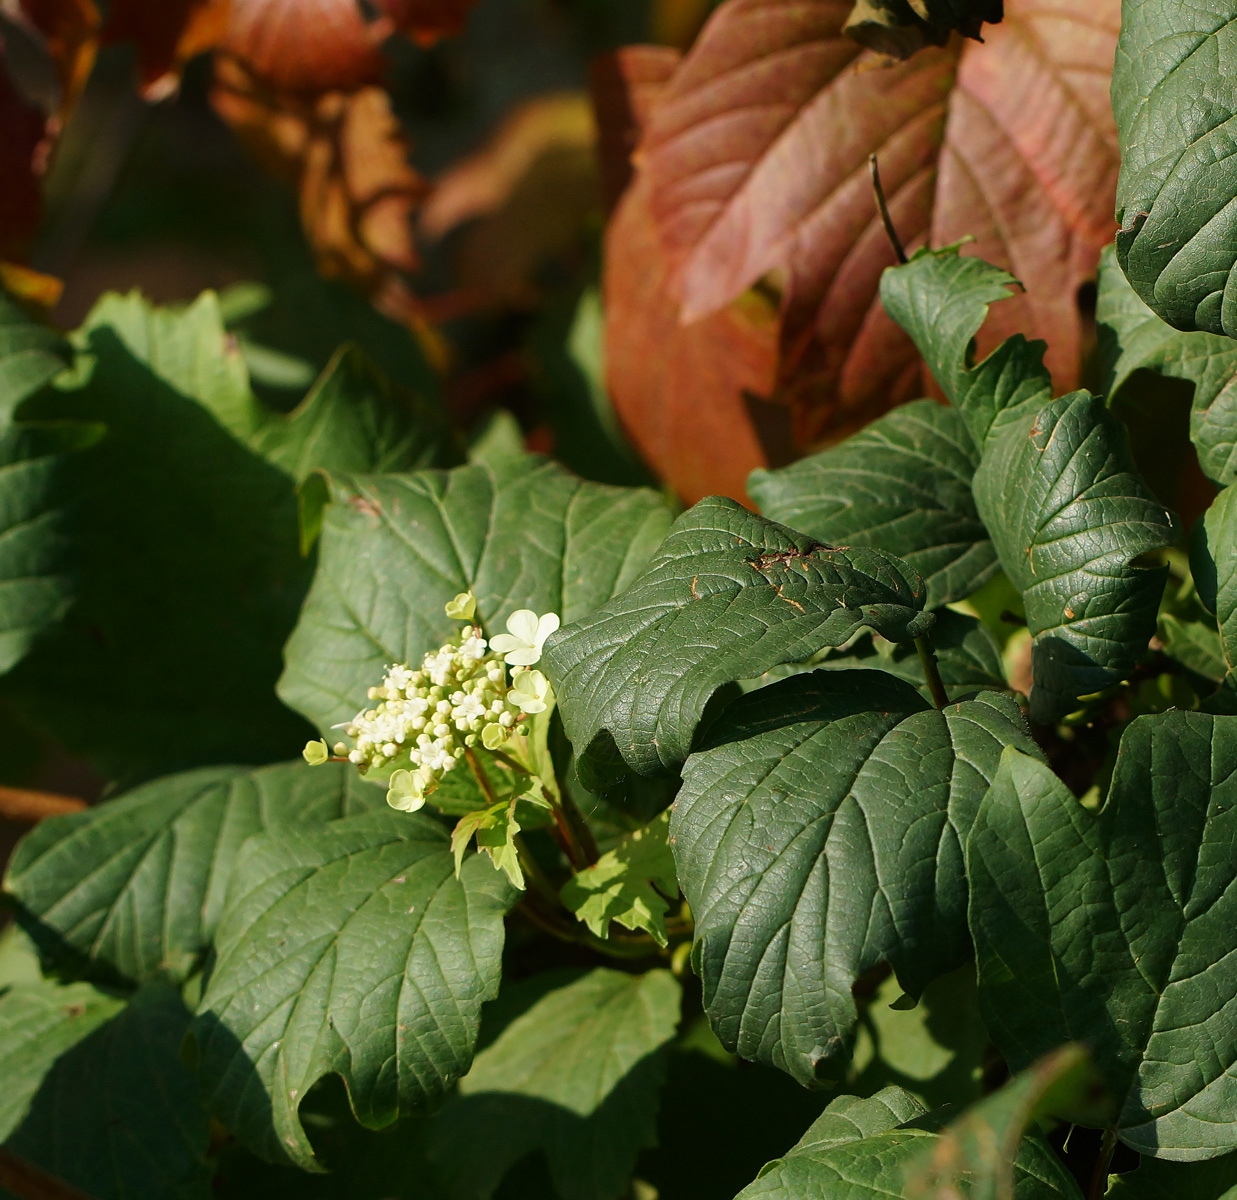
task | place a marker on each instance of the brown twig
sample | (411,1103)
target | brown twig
(33,1183)
(22,804)
(881,207)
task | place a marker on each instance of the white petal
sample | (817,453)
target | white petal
(523,623)
(504,643)
(524,657)
(546,626)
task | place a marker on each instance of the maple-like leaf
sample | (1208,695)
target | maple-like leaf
(758,157)
(686,393)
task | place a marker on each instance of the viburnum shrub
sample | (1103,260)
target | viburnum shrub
(881,830)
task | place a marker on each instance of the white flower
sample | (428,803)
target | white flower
(526,633)
(529,690)
(405,791)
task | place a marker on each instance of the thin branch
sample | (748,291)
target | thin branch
(931,672)
(32,1183)
(881,207)
(21,804)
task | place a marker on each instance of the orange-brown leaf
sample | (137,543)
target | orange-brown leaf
(347,157)
(758,157)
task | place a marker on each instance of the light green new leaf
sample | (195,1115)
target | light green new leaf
(632,884)
(1056,485)
(1176,119)
(137,883)
(819,833)
(396,548)
(902,484)
(1153,1179)
(109,1106)
(1121,931)
(495,828)
(1213,563)
(1136,339)
(575,1076)
(982,1145)
(356,419)
(31,354)
(728,596)
(351,949)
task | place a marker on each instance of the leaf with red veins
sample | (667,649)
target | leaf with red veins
(758,158)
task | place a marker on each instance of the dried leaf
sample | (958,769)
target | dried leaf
(899,28)
(529,191)
(347,157)
(758,156)
(167,34)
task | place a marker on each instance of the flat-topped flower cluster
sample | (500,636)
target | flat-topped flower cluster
(467,692)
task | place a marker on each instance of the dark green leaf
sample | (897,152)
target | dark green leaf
(819,834)
(353,949)
(1175,124)
(356,419)
(138,883)
(1136,339)
(37,467)
(1056,485)
(396,548)
(903,485)
(1120,931)
(575,1076)
(117,1114)
(1157,1180)
(31,354)
(1213,563)
(728,596)
(982,1145)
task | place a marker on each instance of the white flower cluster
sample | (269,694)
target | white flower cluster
(425,719)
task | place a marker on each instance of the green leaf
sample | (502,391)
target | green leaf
(630,884)
(1136,339)
(575,1076)
(495,829)
(1177,240)
(137,883)
(968,657)
(186,548)
(1056,486)
(116,1113)
(1119,931)
(819,833)
(1213,563)
(396,548)
(1154,1179)
(355,419)
(903,485)
(37,466)
(31,354)
(352,949)
(39,1022)
(728,596)
(982,1145)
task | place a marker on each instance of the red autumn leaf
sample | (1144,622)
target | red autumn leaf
(758,157)
(686,393)
(167,33)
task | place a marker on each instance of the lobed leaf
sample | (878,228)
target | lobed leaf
(1056,486)
(819,833)
(728,596)
(1118,930)
(903,484)
(353,949)
(396,548)
(137,883)
(576,1076)
(1177,241)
